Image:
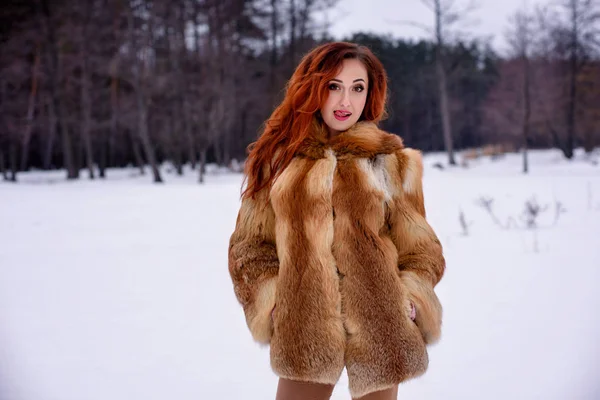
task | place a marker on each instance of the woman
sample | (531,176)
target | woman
(332,258)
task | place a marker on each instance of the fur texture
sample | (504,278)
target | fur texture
(342,248)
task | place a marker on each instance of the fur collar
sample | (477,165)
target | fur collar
(364,140)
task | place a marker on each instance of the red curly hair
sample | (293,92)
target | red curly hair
(306,92)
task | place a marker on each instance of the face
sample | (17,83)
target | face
(347,97)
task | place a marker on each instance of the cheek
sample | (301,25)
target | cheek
(331,101)
(359,104)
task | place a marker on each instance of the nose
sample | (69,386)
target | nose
(345,100)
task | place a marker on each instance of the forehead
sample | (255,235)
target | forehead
(352,69)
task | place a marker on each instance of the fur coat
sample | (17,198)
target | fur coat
(340,250)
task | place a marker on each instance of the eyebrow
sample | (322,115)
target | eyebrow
(356,80)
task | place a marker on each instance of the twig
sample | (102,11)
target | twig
(531,213)
(463,223)
(487,203)
(558,211)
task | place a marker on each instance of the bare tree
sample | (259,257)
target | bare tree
(140,70)
(572,41)
(442,84)
(589,99)
(115,82)
(54,67)
(275,24)
(3,170)
(186,12)
(51,137)
(448,17)
(30,109)
(520,38)
(115,13)
(85,85)
(293,19)
(583,35)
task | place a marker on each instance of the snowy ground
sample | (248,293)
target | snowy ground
(119,289)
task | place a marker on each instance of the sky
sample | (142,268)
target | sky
(490,19)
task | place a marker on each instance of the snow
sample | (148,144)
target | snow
(119,289)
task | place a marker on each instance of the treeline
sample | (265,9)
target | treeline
(95,84)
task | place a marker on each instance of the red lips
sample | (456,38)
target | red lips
(341,115)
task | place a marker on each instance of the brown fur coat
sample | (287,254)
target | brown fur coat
(340,251)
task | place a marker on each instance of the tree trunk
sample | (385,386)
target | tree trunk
(445,110)
(69,160)
(190,135)
(218,152)
(102,156)
(86,102)
(49,150)
(3,166)
(114,122)
(226,148)
(12,159)
(527,114)
(106,147)
(588,140)
(442,86)
(176,117)
(202,169)
(30,111)
(173,134)
(178,164)
(406,120)
(243,124)
(193,130)
(185,106)
(304,15)
(570,142)
(142,107)
(54,85)
(273,57)
(292,62)
(145,136)
(137,154)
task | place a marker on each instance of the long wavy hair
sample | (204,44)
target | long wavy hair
(306,92)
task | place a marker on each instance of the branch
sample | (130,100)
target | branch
(558,211)
(423,27)
(429,4)
(446,6)
(449,19)
(471,7)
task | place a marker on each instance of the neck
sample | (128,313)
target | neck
(331,133)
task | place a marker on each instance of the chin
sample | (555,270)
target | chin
(341,126)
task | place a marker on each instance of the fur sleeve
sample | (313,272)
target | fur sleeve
(253,264)
(420,259)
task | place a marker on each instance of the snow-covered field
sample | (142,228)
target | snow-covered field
(119,289)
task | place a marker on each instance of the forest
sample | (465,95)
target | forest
(90,85)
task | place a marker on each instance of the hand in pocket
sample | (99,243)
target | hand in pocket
(422,306)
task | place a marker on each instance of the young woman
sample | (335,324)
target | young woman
(332,258)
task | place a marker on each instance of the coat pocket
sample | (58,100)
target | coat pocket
(258,313)
(428,306)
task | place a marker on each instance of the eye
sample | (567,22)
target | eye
(333,86)
(359,88)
